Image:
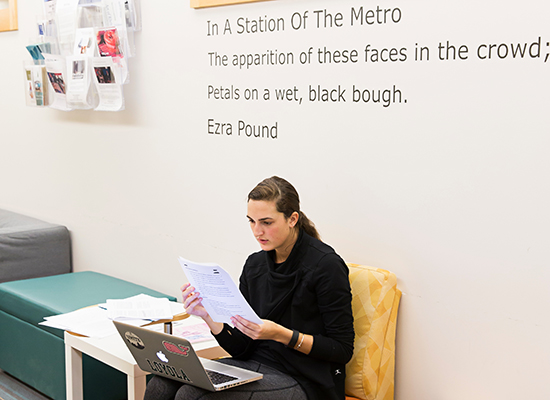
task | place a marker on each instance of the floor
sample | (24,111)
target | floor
(13,389)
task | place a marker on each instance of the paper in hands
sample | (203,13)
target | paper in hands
(220,296)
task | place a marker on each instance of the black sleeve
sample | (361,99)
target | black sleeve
(334,300)
(236,343)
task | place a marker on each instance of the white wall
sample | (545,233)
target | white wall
(448,190)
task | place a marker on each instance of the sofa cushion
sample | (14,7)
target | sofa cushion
(31,248)
(370,373)
(33,299)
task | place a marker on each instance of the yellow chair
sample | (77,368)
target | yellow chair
(370,373)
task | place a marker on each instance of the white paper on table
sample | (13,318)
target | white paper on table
(134,321)
(175,309)
(90,321)
(94,321)
(141,306)
(221,297)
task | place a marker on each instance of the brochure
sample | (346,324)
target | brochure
(106,81)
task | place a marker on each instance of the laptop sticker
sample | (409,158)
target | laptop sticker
(162,357)
(180,350)
(168,370)
(134,340)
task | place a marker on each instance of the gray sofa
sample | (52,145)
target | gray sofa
(31,248)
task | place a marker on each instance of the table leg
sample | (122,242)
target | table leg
(73,373)
(136,387)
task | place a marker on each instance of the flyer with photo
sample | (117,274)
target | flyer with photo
(108,43)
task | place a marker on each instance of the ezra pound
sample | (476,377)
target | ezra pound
(243,129)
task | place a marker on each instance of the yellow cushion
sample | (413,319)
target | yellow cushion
(370,373)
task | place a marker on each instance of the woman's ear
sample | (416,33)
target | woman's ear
(294,219)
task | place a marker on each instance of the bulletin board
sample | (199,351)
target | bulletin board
(8,17)
(214,3)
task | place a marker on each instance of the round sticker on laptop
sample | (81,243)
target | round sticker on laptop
(134,340)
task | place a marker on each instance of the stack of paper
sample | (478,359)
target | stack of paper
(90,321)
(140,307)
(96,321)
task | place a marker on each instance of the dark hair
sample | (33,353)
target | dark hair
(286,200)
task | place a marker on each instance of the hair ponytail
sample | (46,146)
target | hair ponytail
(308,226)
(286,200)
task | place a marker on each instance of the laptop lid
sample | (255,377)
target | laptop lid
(174,357)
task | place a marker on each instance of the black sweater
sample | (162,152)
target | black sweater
(309,292)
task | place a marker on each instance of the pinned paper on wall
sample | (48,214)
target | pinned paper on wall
(214,3)
(89,44)
(8,15)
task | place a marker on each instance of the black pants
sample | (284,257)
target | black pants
(274,385)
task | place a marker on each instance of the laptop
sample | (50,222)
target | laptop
(174,357)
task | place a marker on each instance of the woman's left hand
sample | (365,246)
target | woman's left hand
(269,330)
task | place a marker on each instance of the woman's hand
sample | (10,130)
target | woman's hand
(193,306)
(192,301)
(269,330)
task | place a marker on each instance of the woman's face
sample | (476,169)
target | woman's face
(271,229)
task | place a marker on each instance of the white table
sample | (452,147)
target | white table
(112,351)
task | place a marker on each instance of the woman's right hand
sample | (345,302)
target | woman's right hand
(193,306)
(192,301)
